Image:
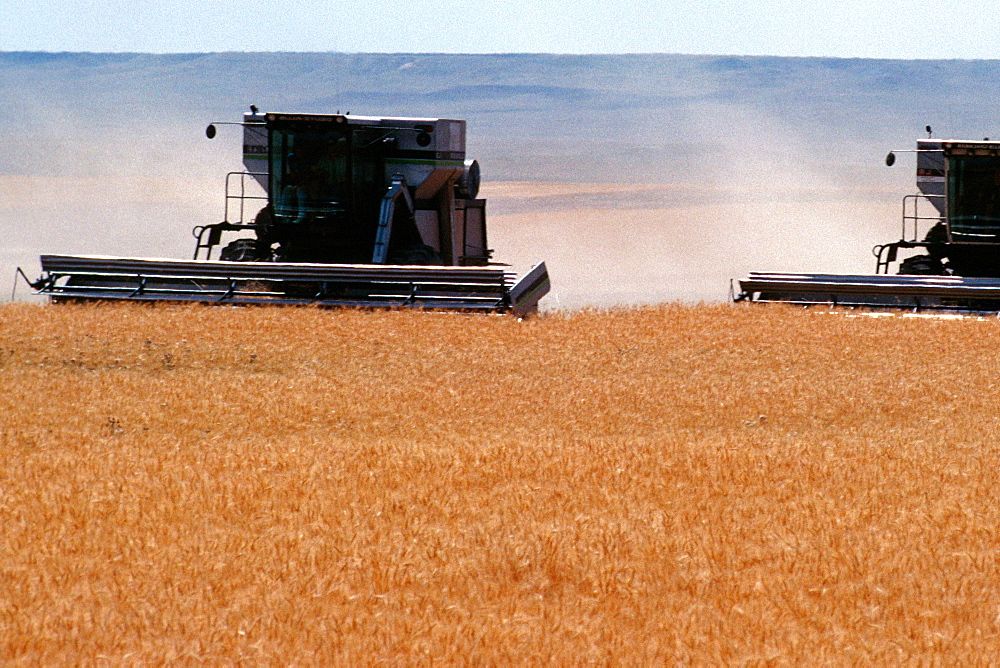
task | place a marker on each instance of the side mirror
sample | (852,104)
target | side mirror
(210,131)
(890,159)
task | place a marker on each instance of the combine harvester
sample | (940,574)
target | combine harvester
(951,236)
(358,211)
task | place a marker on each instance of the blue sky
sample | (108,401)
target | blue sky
(845,28)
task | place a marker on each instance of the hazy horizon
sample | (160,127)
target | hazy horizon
(903,29)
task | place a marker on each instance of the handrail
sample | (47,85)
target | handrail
(214,230)
(915,218)
(242,197)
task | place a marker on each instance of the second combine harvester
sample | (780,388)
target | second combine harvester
(950,235)
(358,211)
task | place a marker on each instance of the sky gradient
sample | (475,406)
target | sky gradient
(904,29)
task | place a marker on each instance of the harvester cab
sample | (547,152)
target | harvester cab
(353,211)
(950,237)
(351,189)
(958,229)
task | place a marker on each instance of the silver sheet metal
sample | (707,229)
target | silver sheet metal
(65,264)
(900,291)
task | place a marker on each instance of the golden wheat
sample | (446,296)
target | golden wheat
(704,484)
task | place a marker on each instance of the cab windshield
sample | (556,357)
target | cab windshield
(974,197)
(309,175)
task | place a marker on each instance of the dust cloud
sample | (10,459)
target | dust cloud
(765,199)
(683,250)
(134,191)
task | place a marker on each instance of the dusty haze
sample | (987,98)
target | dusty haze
(639,179)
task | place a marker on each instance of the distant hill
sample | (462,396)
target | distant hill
(749,133)
(649,103)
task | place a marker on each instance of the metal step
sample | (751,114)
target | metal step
(880,290)
(94,277)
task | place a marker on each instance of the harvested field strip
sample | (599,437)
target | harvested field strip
(698,484)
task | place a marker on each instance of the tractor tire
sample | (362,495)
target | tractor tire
(922,265)
(241,250)
(416,254)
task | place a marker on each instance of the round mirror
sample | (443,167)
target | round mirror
(210,131)
(890,159)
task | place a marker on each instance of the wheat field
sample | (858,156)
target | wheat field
(697,484)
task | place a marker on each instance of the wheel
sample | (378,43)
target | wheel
(241,250)
(922,265)
(416,254)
